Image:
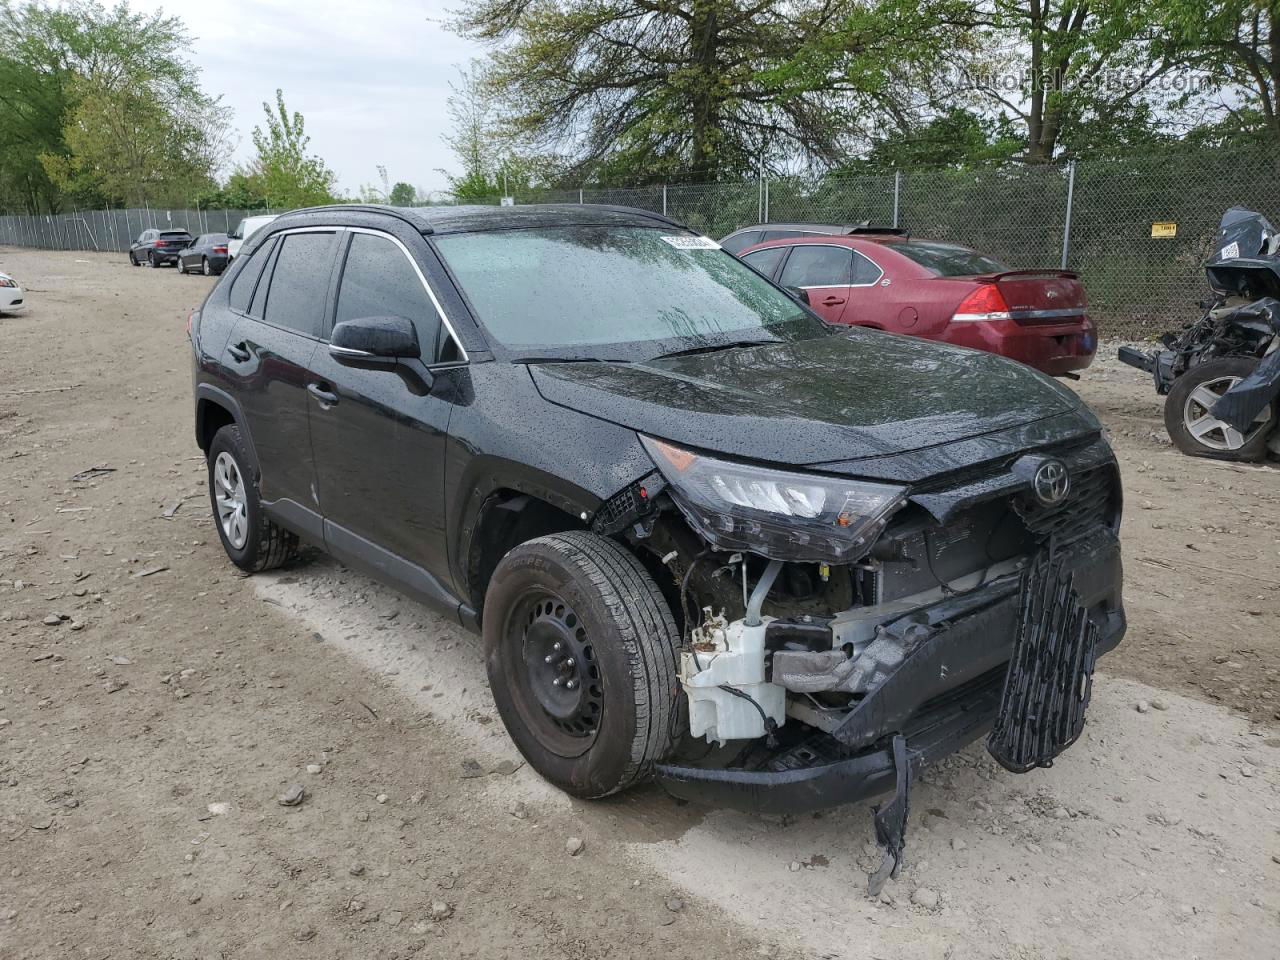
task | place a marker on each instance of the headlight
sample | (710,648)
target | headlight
(6,282)
(784,516)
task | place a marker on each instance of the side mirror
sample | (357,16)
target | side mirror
(800,294)
(380,340)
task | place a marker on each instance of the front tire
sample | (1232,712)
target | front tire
(1195,431)
(251,540)
(182,267)
(581,648)
(133,261)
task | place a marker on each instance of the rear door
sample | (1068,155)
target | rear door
(271,351)
(825,272)
(379,433)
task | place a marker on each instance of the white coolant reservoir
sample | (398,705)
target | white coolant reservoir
(729,654)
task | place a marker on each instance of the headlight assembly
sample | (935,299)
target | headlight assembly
(780,515)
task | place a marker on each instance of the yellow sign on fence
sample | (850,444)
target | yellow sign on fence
(1164,229)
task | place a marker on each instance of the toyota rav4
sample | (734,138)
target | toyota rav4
(706,538)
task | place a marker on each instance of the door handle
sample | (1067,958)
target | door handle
(239,352)
(327,398)
(833,301)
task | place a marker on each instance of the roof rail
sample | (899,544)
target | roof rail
(408,214)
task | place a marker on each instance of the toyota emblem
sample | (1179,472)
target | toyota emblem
(1051,482)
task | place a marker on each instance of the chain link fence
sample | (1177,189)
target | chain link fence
(1092,216)
(111,231)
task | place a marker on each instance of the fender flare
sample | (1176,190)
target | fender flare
(207,393)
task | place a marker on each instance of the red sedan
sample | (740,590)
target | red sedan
(939,291)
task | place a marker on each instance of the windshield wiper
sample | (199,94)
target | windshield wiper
(715,347)
(565,360)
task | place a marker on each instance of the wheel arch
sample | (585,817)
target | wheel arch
(505,517)
(215,409)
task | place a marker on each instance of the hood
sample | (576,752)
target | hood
(838,398)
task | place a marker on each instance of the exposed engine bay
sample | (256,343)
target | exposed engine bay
(813,664)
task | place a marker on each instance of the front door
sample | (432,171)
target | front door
(379,433)
(823,271)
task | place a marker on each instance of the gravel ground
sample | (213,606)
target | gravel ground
(147,732)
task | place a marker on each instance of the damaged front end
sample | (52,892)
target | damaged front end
(842,633)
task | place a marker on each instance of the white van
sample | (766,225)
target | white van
(243,231)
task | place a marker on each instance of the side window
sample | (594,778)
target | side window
(785,234)
(817,266)
(299,283)
(247,278)
(865,271)
(766,261)
(142,237)
(379,281)
(741,241)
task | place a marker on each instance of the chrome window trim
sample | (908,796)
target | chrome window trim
(838,246)
(444,319)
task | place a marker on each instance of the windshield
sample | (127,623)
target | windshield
(949,259)
(611,292)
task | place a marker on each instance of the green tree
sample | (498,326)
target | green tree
(494,159)
(282,172)
(74,75)
(641,90)
(1234,48)
(402,195)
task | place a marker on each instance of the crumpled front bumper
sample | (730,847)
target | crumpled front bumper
(944,695)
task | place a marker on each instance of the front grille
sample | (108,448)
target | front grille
(1090,504)
(1050,678)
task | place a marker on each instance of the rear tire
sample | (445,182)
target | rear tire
(252,542)
(205,268)
(1195,432)
(581,599)
(151,260)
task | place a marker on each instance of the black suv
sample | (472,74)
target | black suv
(704,536)
(156,247)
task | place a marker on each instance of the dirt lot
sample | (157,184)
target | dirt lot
(146,733)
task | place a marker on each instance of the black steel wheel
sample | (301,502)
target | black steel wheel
(581,653)
(561,685)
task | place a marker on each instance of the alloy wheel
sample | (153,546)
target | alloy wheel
(233,504)
(1207,429)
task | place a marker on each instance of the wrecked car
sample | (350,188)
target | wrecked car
(1221,372)
(707,538)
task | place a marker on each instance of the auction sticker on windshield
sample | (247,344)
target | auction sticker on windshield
(692,243)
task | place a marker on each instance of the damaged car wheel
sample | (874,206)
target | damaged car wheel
(1194,429)
(581,653)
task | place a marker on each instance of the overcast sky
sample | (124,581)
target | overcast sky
(371,78)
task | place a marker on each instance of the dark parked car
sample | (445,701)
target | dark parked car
(206,254)
(156,247)
(676,504)
(939,291)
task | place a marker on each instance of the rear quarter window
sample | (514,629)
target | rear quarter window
(766,261)
(740,241)
(242,286)
(949,259)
